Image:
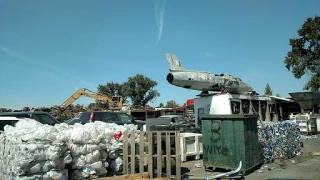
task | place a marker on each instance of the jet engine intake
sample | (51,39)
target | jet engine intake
(170,78)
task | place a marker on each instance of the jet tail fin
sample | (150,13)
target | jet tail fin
(174,62)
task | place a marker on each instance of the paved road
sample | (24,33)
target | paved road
(303,167)
(309,169)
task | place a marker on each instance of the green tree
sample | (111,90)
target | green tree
(161,105)
(171,104)
(148,106)
(101,104)
(278,95)
(92,105)
(79,106)
(267,90)
(140,89)
(304,58)
(112,89)
(109,90)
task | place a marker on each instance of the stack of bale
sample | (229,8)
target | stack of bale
(32,152)
(96,148)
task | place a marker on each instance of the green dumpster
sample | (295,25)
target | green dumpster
(229,139)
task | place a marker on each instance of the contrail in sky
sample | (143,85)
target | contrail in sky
(15,55)
(159,7)
(20,57)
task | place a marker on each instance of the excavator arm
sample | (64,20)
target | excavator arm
(73,98)
(115,103)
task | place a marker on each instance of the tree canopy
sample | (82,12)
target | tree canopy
(304,58)
(161,105)
(278,95)
(92,105)
(267,90)
(109,90)
(113,89)
(171,104)
(140,89)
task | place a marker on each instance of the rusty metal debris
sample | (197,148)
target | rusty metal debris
(227,174)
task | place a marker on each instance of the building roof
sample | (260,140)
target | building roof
(281,99)
(306,100)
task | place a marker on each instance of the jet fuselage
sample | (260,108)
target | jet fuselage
(203,81)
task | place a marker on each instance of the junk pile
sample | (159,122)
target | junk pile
(32,150)
(303,137)
(279,140)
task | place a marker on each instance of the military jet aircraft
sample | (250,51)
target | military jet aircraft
(203,81)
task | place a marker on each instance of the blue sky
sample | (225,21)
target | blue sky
(48,49)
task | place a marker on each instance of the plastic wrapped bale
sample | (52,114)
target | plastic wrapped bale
(31,150)
(2,144)
(279,140)
(50,175)
(95,147)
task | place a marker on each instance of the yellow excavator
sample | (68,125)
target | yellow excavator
(115,102)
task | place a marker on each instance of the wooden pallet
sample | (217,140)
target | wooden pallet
(154,155)
(192,149)
(140,176)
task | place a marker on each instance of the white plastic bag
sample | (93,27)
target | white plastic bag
(115,165)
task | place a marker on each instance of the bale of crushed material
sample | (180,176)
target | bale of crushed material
(96,148)
(33,150)
(279,140)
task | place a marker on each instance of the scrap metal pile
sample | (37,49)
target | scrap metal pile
(279,140)
(32,150)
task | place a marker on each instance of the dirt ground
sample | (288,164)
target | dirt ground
(305,166)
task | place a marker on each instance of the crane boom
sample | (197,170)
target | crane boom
(115,102)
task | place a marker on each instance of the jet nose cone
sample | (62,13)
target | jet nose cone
(170,78)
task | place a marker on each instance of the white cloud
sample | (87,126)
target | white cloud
(159,7)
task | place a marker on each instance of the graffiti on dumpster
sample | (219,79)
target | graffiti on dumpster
(216,146)
(216,150)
